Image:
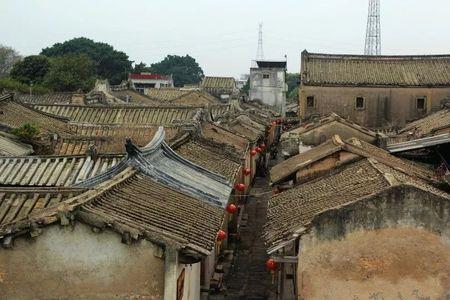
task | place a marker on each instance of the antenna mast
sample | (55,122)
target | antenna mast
(260,51)
(373,32)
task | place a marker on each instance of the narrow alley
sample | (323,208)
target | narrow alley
(248,277)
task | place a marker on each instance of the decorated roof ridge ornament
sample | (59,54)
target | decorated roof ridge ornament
(131,148)
(221,235)
(231,208)
(247,171)
(240,187)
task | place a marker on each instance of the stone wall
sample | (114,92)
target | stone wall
(77,263)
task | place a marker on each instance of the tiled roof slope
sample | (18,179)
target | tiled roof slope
(430,124)
(218,82)
(159,213)
(291,212)
(52,170)
(354,146)
(11,146)
(295,163)
(154,193)
(134,97)
(54,98)
(391,71)
(333,117)
(221,135)
(107,138)
(210,156)
(18,203)
(167,94)
(14,114)
(128,115)
(161,163)
(131,203)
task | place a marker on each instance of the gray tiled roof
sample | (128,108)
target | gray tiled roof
(359,70)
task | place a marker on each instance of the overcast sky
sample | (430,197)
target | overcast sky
(223,34)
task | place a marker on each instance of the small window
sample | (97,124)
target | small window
(359,103)
(266,76)
(310,102)
(421,102)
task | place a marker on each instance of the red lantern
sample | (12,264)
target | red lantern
(247,171)
(274,123)
(221,235)
(258,149)
(253,152)
(262,146)
(240,187)
(279,121)
(231,208)
(271,264)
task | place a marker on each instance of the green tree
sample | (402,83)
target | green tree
(246,88)
(32,68)
(292,80)
(8,57)
(185,69)
(141,68)
(71,72)
(109,63)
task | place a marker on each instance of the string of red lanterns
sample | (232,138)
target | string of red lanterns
(221,235)
(231,208)
(247,171)
(271,264)
(240,187)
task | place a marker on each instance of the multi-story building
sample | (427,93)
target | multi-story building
(373,91)
(268,84)
(144,81)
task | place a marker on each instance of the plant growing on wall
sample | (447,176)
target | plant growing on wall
(26,131)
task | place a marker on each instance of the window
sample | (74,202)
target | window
(421,103)
(359,103)
(310,102)
(266,76)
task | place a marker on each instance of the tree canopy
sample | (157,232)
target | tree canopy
(32,68)
(292,80)
(185,69)
(8,57)
(71,72)
(109,63)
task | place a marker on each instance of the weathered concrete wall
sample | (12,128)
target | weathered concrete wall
(192,281)
(402,206)
(76,263)
(383,106)
(271,91)
(404,224)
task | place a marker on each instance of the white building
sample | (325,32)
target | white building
(143,81)
(268,84)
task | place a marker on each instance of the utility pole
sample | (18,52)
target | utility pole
(373,31)
(260,51)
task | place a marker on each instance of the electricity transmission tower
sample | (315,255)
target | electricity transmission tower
(373,32)
(260,51)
